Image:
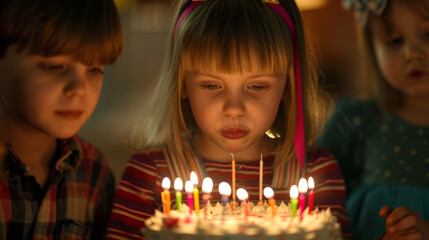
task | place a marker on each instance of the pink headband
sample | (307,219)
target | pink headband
(299,138)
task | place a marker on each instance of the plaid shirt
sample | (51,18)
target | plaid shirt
(75,204)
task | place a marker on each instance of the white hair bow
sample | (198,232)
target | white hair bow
(361,8)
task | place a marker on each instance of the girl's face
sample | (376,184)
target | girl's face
(402,51)
(234,111)
(49,96)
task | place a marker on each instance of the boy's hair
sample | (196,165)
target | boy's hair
(231,36)
(88,30)
(377,87)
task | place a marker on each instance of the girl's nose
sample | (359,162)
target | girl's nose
(234,105)
(415,51)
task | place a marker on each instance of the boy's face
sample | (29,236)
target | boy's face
(48,95)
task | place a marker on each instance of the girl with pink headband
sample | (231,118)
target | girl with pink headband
(239,79)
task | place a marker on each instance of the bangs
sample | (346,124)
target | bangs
(235,42)
(420,7)
(88,30)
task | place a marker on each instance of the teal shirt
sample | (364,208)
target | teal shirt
(385,161)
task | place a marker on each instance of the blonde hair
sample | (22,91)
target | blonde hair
(377,87)
(233,36)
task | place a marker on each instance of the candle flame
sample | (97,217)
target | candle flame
(178,184)
(207,185)
(302,185)
(293,192)
(242,194)
(224,188)
(166,183)
(189,187)
(268,192)
(310,183)
(194,178)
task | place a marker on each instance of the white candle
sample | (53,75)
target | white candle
(207,189)
(243,196)
(225,192)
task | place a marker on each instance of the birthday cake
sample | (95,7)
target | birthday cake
(256,222)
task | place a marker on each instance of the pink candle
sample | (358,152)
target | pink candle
(310,194)
(302,187)
(189,188)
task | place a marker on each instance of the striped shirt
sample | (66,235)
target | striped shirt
(138,194)
(75,203)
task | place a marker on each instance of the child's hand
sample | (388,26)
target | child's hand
(404,223)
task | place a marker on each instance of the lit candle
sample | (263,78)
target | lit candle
(233,182)
(207,190)
(269,193)
(194,180)
(165,195)
(294,199)
(310,194)
(261,173)
(189,188)
(243,196)
(302,187)
(225,192)
(178,186)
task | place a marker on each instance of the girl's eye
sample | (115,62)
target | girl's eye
(394,41)
(211,86)
(257,87)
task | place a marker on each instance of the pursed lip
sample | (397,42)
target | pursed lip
(234,133)
(416,73)
(69,114)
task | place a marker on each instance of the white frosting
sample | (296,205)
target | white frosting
(228,225)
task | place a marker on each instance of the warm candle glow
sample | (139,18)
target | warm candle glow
(302,186)
(189,187)
(310,183)
(224,189)
(178,184)
(293,192)
(242,194)
(207,185)
(268,192)
(166,183)
(194,178)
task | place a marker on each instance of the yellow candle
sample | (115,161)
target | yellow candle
(194,180)
(294,199)
(178,186)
